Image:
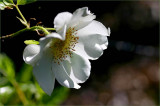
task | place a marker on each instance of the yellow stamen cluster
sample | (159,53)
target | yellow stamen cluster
(61,49)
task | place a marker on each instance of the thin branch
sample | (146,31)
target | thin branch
(34,28)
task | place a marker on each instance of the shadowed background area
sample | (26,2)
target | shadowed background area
(128,71)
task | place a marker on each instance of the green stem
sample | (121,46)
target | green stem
(51,29)
(45,30)
(19,92)
(22,16)
(40,28)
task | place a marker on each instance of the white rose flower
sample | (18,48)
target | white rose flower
(65,55)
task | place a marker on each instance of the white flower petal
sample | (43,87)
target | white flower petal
(81,18)
(62,32)
(94,27)
(60,71)
(91,46)
(45,40)
(104,46)
(44,74)
(61,19)
(81,67)
(31,54)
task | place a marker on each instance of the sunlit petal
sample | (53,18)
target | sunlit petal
(44,74)
(61,19)
(94,27)
(31,54)
(80,70)
(81,18)
(45,40)
(62,76)
(91,46)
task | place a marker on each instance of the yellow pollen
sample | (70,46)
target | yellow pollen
(62,49)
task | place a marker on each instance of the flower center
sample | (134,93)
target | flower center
(62,49)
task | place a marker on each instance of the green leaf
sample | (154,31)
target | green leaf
(28,42)
(40,92)
(9,1)
(25,73)
(58,96)
(3,79)
(2,6)
(6,4)
(29,90)
(7,66)
(23,22)
(23,2)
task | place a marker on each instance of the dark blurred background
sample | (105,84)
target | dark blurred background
(128,71)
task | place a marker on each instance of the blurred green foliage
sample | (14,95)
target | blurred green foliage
(14,85)
(23,2)
(7,67)
(10,3)
(6,4)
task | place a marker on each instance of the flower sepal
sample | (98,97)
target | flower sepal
(28,42)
